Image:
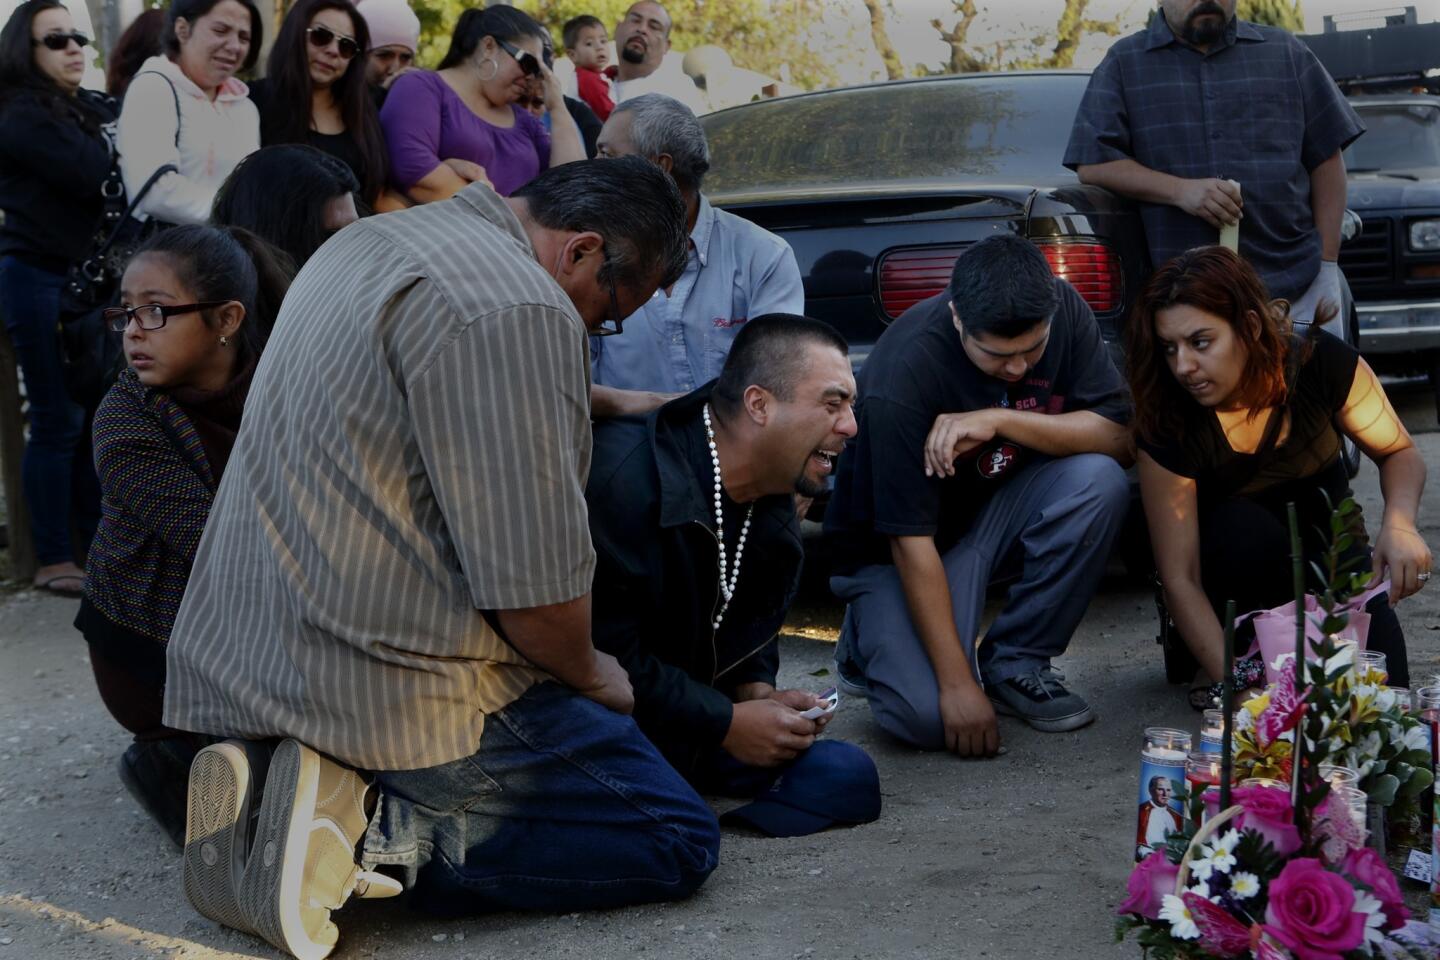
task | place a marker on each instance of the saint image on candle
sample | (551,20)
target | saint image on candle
(1158,818)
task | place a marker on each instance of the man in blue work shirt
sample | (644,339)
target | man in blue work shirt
(678,341)
(1198,99)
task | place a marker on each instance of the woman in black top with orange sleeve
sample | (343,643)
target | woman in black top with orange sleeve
(54,158)
(1238,415)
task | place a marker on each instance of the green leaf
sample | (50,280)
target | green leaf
(1419,780)
(1383,790)
(822,672)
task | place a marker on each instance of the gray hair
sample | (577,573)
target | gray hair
(664,125)
(628,201)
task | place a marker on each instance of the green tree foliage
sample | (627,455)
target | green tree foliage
(1049,51)
(768,36)
(1286,14)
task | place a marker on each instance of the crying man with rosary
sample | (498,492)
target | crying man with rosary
(692,512)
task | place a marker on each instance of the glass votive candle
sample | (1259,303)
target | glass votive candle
(1267,782)
(1354,799)
(1162,771)
(1338,776)
(1403,701)
(1202,776)
(1212,731)
(1371,668)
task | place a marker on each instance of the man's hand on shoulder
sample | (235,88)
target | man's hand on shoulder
(954,435)
(1217,202)
(767,733)
(969,722)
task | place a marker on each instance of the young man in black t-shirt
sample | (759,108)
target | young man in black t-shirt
(991,425)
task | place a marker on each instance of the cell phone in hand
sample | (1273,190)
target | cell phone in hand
(829,700)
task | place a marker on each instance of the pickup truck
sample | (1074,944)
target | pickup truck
(1394,264)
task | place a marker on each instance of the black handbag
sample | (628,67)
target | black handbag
(90,353)
(91,356)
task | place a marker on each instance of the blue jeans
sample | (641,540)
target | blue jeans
(565,806)
(30,309)
(1063,516)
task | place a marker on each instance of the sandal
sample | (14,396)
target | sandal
(1247,674)
(53,585)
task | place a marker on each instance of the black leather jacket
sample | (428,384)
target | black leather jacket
(657,581)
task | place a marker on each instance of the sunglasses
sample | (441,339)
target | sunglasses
(322,37)
(59,41)
(528,64)
(152,316)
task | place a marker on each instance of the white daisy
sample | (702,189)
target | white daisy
(1244,885)
(1374,913)
(1217,857)
(1182,923)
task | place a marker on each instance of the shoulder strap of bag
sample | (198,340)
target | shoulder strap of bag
(173,93)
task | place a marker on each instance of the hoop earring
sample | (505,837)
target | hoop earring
(493,72)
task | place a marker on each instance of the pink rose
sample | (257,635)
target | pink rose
(1268,813)
(1367,866)
(1312,912)
(1150,881)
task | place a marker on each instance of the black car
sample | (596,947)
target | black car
(878,188)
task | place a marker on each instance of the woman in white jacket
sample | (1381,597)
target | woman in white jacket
(186,108)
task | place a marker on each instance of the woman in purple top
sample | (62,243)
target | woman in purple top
(460,124)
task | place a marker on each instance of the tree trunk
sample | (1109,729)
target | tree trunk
(894,68)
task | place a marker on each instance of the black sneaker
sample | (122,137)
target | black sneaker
(1041,700)
(156,773)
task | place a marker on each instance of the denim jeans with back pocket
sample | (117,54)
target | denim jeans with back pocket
(565,806)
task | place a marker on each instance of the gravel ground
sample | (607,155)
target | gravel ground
(1022,856)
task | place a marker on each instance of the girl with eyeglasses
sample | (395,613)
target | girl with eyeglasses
(196,305)
(466,112)
(187,108)
(54,160)
(314,90)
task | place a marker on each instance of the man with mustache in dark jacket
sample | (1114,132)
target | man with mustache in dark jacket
(698,559)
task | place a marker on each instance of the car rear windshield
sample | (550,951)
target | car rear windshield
(996,130)
(1397,137)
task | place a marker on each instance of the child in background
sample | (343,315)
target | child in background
(585,44)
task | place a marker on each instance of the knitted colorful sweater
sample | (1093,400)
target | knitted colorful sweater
(157,486)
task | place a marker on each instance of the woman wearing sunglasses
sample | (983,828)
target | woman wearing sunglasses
(466,111)
(54,159)
(314,90)
(186,108)
(197,302)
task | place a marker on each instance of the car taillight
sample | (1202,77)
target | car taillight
(1093,269)
(909,276)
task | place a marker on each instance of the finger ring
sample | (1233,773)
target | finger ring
(1422,577)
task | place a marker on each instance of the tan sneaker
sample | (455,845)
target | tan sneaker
(218,808)
(302,861)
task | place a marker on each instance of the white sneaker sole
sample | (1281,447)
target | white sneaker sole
(218,808)
(270,892)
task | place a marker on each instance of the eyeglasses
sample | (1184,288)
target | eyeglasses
(528,64)
(608,269)
(152,316)
(322,37)
(60,41)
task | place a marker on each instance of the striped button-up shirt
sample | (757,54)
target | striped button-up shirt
(1257,108)
(414,452)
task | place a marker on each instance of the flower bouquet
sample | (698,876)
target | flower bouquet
(1279,869)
